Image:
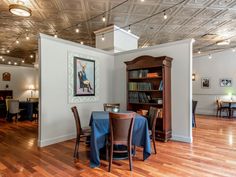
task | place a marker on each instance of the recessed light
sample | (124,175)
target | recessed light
(31,56)
(15,63)
(27,38)
(1,57)
(23,61)
(8,51)
(9,63)
(77,30)
(199,52)
(20,10)
(82,42)
(103,19)
(55,36)
(17,41)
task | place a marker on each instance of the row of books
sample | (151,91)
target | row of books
(161,86)
(140,86)
(137,97)
(160,113)
(138,73)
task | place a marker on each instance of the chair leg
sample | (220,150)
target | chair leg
(220,113)
(76,151)
(130,157)
(111,157)
(217,112)
(154,142)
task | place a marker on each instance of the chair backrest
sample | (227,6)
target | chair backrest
(33,99)
(194,106)
(152,115)
(13,106)
(111,107)
(121,127)
(77,120)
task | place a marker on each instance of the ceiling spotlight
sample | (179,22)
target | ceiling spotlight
(210,56)
(23,61)
(9,63)
(15,63)
(27,38)
(20,9)
(199,52)
(82,42)
(17,42)
(103,19)
(103,38)
(8,51)
(55,35)
(31,56)
(1,57)
(233,50)
(165,16)
(129,30)
(142,0)
(77,30)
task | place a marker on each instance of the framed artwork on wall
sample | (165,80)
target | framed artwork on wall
(6,76)
(205,83)
(226,82)
(84,77)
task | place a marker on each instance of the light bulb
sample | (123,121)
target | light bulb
(23,61)
(210,56)
(8,51)
(103,38)
(9,62)
(55,36)
(129,30)
(142,0)
(1,57)
(77,30)
(15,63)
(199,52)
(31,56)
(165,16)
(27,38)
(103,19)
(17,42)
(82,42)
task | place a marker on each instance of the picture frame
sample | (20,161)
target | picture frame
(84,77)
(226,82)
(205,83)
(6,76)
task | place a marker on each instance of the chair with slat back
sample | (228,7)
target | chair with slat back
(111,107)
(82,134)
(221,108)
(121,129)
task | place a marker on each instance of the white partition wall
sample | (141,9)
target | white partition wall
(181,91)
(57,123)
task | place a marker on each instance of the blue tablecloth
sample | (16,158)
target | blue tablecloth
(28,108)
(99,123)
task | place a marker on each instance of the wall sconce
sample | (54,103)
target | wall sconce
(193,77)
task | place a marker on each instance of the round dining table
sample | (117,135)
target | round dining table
(229,102)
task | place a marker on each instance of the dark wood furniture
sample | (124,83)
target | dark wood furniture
(6,94)
(121,129)
(229,102)
(149,84)
(153,115)
(194,106)
(82,135)
(115,107)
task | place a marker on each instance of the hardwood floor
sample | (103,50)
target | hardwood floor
(212,153)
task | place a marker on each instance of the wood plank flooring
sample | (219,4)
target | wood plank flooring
(212,153)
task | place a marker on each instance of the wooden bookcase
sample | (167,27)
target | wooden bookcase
(149,84)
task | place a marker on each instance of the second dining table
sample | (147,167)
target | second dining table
(99,123)
(229,102)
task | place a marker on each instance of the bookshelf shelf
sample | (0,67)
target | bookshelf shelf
(149,84)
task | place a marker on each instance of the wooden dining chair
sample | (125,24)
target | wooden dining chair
(82,134)
(194,106)
(152,116)
(13,108)
(121,129)
(221,108)
(111,107)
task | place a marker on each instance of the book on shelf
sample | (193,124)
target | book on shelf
(136,97)
(161,86)
(151,75)
(160,113)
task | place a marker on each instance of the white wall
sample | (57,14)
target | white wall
(21,79)
(181,91)
(222,65)
(57,122)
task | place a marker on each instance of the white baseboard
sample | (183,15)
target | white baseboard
(46,142)
(182,139)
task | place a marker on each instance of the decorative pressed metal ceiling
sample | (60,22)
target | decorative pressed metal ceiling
(208,21)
